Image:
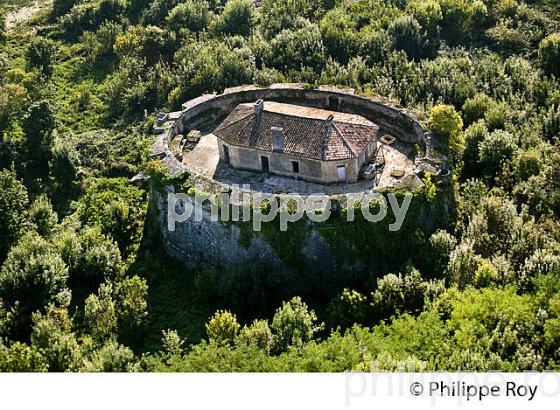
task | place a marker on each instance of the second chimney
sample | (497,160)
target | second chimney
(277,138)
(259,105)
(258,109)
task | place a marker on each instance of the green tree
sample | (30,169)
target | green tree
(19,357)
(552,327)
(474,135)
(258,334)
(407,36)
(551,123)
(39,124)
(14,99)
(237,18)
(32,277)
(463,265)
(495,149)
(64,164)
(116,208)
(53,337)
(428,13)
(498,115)
(485,276)
(549,54)
(346,309)
(13,201)
(528,163)
(172,343)
(40,55)
(439,248)
(100,314)
(212,66)
(339,35)
(191,15)
(475,108)
(90,256)
(497,323)
(460,17)
(293,324)
(2,27)
(43,216)
(131,304)
(222,328)
(110,357)
(446,123)
(295,49)
(493,227)
(396,294)
(61,7)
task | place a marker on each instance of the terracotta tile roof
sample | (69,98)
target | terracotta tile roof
(306,134)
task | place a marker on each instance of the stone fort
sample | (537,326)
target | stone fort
(280,139)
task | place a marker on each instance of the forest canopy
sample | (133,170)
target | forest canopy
(85,284)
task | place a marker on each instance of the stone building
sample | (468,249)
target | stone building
(297,141)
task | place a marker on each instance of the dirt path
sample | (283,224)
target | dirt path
(17,17)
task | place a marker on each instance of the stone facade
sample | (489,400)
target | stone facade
(282,164)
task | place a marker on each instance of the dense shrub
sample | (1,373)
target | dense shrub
(448,125)
(32,277)
(13,201)
(91,256)
(116,208)
(42,215)
(495,149)
(293,324)
(190,15)
(397,294)
(549,54)
(237,18)
(407,36)
(222,328)
(40,55)
(347,309)
(100,313)
(61,7)
(439,248)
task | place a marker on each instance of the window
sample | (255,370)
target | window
(295,167)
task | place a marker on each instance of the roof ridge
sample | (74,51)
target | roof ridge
(252,142)
(220,127)
(344,140)
(295,116)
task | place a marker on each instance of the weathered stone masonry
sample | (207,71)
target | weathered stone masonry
(216,244)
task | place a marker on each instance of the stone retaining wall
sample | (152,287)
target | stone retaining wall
(213,244)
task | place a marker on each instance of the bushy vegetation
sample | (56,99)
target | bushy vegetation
(85,285)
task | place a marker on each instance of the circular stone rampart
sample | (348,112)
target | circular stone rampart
(328,251)
(211,108)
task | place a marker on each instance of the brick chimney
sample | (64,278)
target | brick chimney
(329,122)
(258,109)
(327,132)
(277,138)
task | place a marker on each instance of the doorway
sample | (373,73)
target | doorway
(265,167)
(226,154)
(341,173)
